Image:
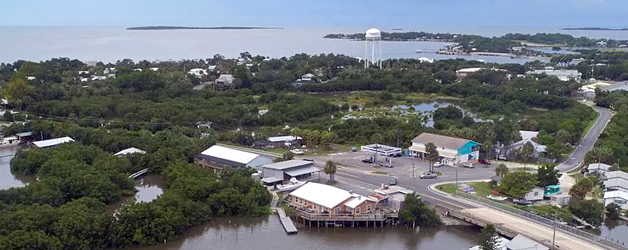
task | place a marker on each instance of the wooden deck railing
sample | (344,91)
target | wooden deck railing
(377,216)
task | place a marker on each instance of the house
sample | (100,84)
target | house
(154,69)
(560,200)
(394,197)
(30,78)
(618,197)
(84,72)
(616,181)
(280,172)
(331,201)
(536,194)
(52,142)
(307,77)
(128,151)
(218,157)
(601,44)
(452,150)
(24,136)
(197,72)
(501,244)
(561,74)
(224,81)
(521,242)
(599,168)
(464,73)
(281,141)
(527,136)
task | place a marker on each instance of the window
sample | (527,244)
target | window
(536,193)
(368,208)
(357,210)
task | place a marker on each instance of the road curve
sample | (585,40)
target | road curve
(587,143)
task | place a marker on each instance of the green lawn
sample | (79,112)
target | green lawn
(482,189)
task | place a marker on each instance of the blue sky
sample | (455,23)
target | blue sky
(315,13)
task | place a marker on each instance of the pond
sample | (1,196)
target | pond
(616,231)
(267,233)
(148,187)
(7,178)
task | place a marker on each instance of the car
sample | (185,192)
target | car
(367,160)
(484,161)
(438,164)
(522,201)
(502,158)
(297,151)
(468,165)
(397,155)
(393,181)
(428,175)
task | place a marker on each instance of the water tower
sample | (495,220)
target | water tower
(373,36)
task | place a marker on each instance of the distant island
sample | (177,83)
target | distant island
(198,28)
(596,28)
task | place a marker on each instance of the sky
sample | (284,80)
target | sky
(316,13)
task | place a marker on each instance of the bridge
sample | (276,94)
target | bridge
(138,173)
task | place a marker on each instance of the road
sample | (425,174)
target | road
(587,143)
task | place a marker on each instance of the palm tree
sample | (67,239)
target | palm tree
(330,169)
(501,170)
(525,152)
(432,155)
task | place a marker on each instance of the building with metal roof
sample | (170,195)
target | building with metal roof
(217,157)
(331,201)
(521,242)
(283,171)
(52,142)
(130,150)
(451,150)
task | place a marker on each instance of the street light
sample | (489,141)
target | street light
(456,178)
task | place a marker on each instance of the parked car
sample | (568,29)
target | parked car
(393,181)
(367,160)
(468,165)
(438,164)
(397,155)
(297,151)
(428,175)
(484,161)
(502,158)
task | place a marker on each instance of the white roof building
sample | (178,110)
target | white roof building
(198,72)
(527,136)
(131,150)
(521,242)
(286,138)
(616,180)
(562,74)
(52,142)
(221,156)
(328,196)
(598,168)
(154,69)
(618,197)
(501,244)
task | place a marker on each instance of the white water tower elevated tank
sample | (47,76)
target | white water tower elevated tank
(373,33)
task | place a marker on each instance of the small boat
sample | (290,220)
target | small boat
(496,197)
(418,51)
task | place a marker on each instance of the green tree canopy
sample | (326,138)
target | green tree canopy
(517,184)
(548,175)
(416,212)
(488,238)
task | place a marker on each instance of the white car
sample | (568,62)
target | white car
(438,164)
(297,151)
(468,165)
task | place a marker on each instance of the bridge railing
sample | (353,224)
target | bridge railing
(546,221)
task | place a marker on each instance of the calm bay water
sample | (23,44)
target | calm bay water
(267,233)
(7,178)
(116,43)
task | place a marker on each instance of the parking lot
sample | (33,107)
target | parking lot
(402,166)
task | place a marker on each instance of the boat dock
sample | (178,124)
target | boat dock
(286,222)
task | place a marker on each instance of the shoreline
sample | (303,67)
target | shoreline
(200,28)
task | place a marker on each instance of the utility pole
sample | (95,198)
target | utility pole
(457,179)
(413,175)
(554,236)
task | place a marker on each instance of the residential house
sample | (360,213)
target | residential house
(536,194)
(602,44)
(394,197)
(198,72)
(30,78)
(52,142)
(154,69)
(284,141)
(521,242)
(329,200)
(560,200)
(464,73)
(561,74)
(598,168)
(616,181)
(224,81)
(307,77)
(218,157)
(618,197)
(129,151)
(280,172)
(527,136)
(452,150)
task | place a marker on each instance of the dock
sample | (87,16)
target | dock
(138,173)
(286,222)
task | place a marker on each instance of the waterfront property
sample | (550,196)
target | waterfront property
(279,172)
(217,157)
(393,197)
(521,242)
(598,168)
(452,150)
(618,197)
(52,142)
(128,151)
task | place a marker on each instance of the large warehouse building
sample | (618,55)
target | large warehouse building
(217,157)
